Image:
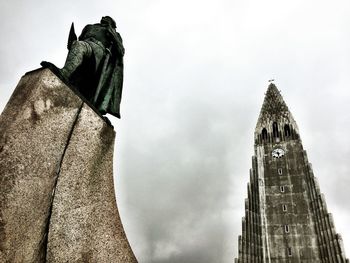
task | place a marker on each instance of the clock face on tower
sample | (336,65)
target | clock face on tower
(278,153)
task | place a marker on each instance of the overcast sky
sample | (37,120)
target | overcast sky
(195,76)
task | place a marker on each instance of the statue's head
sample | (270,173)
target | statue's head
(108,20)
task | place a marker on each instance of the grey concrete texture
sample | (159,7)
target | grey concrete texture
(85,224)
(34,128)
(41,130)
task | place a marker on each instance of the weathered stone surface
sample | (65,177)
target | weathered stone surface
(34,128)
(57,201)
(85,224)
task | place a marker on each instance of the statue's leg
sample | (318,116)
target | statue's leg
(75,57)
(99,54)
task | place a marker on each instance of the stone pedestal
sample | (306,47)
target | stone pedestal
(57,201)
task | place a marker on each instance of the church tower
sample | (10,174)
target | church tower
(286,218)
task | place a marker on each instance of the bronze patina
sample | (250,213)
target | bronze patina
(94,65)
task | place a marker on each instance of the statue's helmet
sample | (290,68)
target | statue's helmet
(108,20)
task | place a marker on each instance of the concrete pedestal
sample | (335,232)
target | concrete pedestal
(57,201)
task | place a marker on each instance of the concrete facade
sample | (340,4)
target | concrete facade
(57,200)
(286,219)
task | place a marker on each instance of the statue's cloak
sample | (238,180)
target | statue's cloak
(111,81)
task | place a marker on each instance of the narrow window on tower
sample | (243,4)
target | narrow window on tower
(264,134)
(282,189)
(279,171)
(286,130)
(275,129)
(289,251)
(284,208)
(286,228)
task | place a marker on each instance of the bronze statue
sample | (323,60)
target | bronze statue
(94,65)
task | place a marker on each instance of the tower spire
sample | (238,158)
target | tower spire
(274,106)
(275,122)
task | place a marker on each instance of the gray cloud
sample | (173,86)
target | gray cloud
(195,77)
